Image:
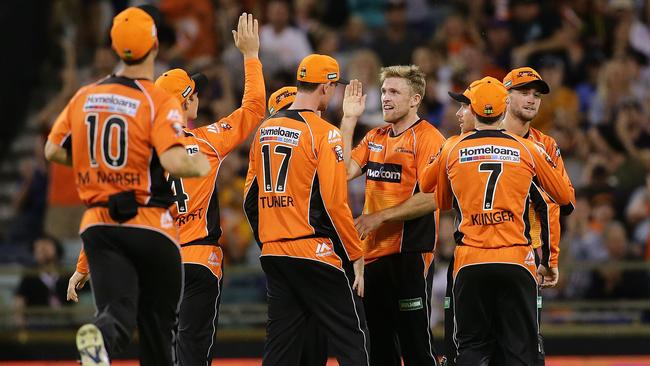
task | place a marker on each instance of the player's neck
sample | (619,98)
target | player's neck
(306,101)
(483,126)
(515,125)
(405,123)
(140,71)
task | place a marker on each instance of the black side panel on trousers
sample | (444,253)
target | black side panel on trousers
(199,315)
(397,302)
(495,308)
(137,278)
(450,346)
(299,289)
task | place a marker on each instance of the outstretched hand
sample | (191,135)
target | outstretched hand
(354,101)
(246,36)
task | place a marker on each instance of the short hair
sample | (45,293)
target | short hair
(58,247)
(415,78)
(306,87)
(488,120)
(138,61)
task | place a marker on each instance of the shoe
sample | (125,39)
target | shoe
(90,344)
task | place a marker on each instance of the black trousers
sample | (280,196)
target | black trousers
(450,346)
(300,290)
(199,315)
(397,303)
(495,307)
(137,279)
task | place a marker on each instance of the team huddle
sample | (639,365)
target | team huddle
(358,289)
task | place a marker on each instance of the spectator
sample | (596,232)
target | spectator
(44,285)
(609,281)
(535,29)
(561,105)
(395,44)
(355,35)
(282,45)
(193,21)
(29,203)
(638,216)
(365,66)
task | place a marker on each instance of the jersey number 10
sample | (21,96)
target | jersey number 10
(114,124)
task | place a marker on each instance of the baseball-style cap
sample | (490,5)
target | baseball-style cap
(525,76)
(181,85)
(319,69)
(282,98)
(133,34)
(465,96)
(488,97)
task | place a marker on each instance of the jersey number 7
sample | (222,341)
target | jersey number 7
(495,170)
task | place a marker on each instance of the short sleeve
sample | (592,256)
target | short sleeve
(167,126)
(360,153)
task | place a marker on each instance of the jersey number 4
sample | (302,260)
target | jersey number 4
(495,170)
(180,197)
(281,181)
(115,130)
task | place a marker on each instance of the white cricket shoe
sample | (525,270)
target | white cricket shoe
(90,344)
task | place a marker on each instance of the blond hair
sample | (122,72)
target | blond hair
(415,78)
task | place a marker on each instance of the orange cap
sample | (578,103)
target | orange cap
(488,97)
(319,69)
(179,84)
(133,34)
(466,96)
(525,76)
(282,98)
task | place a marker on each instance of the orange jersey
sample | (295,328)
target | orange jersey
(486,176)
(544,213)
(296,189)
(196,208)
(117,128)
(394,166)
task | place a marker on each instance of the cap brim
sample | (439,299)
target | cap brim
(540,85)
(460,98)
(200,82)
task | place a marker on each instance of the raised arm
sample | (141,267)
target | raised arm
(354,103)
(227,133)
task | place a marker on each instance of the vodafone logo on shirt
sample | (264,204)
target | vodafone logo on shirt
(391,173)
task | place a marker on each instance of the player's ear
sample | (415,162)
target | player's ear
(415,100)
(508,99)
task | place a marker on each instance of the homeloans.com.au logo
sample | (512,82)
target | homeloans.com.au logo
(280,134)
(489,152)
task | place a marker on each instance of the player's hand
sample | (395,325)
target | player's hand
(246,36)
(358,266)
(367,223)
(77,282)
(548,276)
(354,101)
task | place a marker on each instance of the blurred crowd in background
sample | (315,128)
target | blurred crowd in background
(594,54)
